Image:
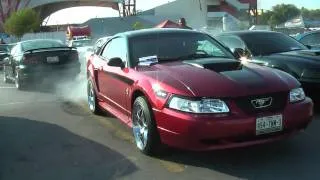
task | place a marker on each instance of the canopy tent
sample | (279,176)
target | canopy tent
(168,24)
(73,31)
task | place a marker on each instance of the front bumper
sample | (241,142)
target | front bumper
(209,132)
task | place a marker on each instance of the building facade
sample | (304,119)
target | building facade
(208,14)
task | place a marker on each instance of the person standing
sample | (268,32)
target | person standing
(183,24)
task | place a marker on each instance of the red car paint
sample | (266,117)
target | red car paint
(116,88)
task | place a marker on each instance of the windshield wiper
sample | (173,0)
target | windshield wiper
(187,57)
(194,56)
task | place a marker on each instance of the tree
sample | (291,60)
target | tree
(137,25)
(265,17)
(310,14)
(21,22)
(282,13)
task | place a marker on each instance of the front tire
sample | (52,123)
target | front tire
(92,99)
(144,127)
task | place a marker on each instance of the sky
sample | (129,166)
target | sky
(77,15)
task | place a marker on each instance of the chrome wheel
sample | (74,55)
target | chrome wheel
(91,97)
(140,126)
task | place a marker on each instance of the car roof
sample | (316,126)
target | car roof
(240,33)
(151,31)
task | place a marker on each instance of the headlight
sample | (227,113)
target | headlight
(159,92)
(198,106)
(297,95)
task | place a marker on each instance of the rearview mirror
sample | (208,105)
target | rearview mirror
(116,62)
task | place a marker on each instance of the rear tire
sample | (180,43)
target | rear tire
(18,82)
(92,99)
(144,128)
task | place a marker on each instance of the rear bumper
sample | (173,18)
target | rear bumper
(195,132)
(49,75)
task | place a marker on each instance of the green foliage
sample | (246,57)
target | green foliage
(138,25)
(21,22)
(279,14)
(310,14)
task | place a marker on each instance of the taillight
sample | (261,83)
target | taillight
(30,60)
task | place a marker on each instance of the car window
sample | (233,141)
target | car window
(184,44)
(115,48)
(81,43)
(209,48)
(39,44)
(311,39)
(266,43)
(232,42)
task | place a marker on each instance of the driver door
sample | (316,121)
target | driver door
(114,81)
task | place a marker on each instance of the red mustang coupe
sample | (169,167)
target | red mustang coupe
(184,89)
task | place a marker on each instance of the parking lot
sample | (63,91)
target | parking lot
(47,135)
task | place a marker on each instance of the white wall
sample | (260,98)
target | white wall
(194,12)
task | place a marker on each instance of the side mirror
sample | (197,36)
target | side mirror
(116,62)
(238,53)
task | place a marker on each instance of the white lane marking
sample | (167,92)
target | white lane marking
(7,87)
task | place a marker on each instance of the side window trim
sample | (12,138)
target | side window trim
(104,47)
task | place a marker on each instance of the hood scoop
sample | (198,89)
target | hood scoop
(217,65)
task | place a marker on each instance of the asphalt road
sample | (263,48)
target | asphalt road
(50,134)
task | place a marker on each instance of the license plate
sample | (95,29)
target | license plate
(54,59)
(269,124)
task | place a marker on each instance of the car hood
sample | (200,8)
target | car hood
(302,56)
(219,78)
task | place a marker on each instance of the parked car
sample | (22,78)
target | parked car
(276,50)
(184,89)
(4,52)
(84,47)
(311,39)
(42,59)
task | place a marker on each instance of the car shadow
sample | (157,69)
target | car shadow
(36,150)
(280,160)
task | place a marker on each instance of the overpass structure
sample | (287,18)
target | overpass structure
(47,7)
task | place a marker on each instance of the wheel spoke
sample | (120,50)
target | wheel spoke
(140,128)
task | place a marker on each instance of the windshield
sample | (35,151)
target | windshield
(269,43)
(176,46)
(40,44)
(81,43)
